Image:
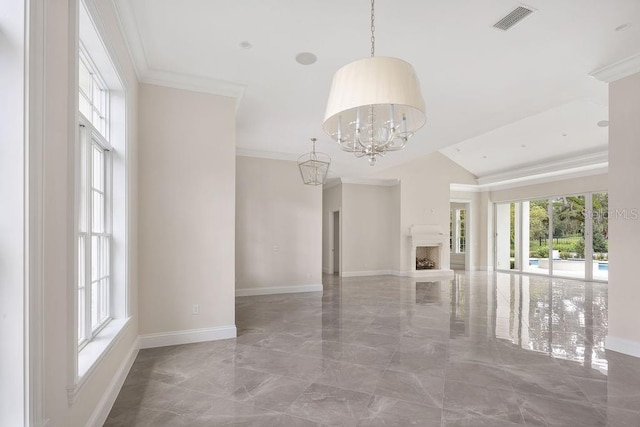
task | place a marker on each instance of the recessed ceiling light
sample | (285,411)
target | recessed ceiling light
(623,27)
(306,58)
(564,134)
(603,123)
(245,44)
(484,157)
(523,146)
(458,150)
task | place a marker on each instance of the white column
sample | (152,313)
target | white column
(624,220)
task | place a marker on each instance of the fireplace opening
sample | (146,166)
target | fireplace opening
(427,258)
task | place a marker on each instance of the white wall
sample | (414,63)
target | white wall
(331,202)
(367,228)
(278,228)
(424,198)
(187,214)
(58,98)
(12,214)
(624,229)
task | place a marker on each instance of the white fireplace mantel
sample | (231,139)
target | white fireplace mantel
(429,235)
(423,235)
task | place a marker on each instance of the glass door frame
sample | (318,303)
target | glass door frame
(519,244)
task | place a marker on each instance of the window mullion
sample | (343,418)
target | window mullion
(588,236)
(108,187)
(89,221)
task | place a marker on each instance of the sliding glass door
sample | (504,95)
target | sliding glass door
(536,235)
(563,236)
(568,248)
(600,240)
(507,236)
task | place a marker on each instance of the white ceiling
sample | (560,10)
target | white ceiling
(487,91)
(558,133)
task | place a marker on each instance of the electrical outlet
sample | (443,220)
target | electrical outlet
(195,309)
(276,248)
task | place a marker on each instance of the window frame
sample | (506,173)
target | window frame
(93,134)
(89,138)
(96,82)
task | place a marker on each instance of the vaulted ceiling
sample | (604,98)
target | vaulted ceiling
(488,92)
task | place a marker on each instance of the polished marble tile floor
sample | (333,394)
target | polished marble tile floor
(482,349)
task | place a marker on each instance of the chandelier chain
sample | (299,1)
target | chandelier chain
(373,29)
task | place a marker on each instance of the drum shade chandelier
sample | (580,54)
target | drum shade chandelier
(314,166)
(375,104)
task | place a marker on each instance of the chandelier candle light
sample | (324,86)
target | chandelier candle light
(375,104)
(314,166)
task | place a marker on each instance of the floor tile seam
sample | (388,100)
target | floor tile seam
(279,375)
(323,358)
(252,370)
(341,342)
(576,378)
(616,407)
(360,345)
(511,379)
(483,416)
(351,363)
(400,399)
(486,417)
(319,381)
(557,399)
(374,396)
(160,411)
(509,385)
(275,411)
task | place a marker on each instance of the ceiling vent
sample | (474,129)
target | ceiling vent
(515,16)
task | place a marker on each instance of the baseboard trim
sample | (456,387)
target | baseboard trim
(101,412)
(621,345)
(366,273)
(188,336)
(325,270)
(316,287)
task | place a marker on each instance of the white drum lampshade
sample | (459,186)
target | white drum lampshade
(375,105)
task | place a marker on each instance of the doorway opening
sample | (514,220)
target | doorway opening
(458,235)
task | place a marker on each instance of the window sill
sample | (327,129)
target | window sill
(91,355)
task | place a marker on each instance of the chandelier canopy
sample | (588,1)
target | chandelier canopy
(314,166)
(375,104)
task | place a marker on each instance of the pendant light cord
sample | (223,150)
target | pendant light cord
(373,29)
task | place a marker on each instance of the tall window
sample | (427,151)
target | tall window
(95,204)
(457,230)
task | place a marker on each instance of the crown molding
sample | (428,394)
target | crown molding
(553,168)
(465,188)
(194,83)
(548,178)
(618,70)
(370,181)
(146,74)
(590,164)
(129,28)
(273,155)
